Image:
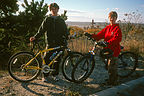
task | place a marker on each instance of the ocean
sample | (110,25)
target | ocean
(86,24)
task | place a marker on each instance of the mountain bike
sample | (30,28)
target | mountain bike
(26,66)
(127,62)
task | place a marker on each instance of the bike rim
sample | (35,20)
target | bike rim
(19,72)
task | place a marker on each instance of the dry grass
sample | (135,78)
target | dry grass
(80,44)
(132,41)
(136,46)
(83,45)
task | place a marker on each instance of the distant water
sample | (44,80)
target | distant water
(86,24)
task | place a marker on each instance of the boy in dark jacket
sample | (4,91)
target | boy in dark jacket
(56,30)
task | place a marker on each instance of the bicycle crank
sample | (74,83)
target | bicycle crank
(46,69)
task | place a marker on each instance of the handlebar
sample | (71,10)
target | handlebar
(92,39)
(95,41)
(89,38)
(36,43)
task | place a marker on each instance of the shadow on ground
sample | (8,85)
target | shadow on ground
(90,86)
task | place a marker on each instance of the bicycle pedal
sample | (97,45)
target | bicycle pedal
(51,69)
(55,61)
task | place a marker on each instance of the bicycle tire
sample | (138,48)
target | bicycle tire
(83,69)
(68,64)
(127,63)
(20,74)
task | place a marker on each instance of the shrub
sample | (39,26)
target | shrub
(95,31)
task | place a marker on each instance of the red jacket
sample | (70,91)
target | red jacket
(112,34)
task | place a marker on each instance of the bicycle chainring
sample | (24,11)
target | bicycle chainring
(46,69)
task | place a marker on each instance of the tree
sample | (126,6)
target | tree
(15,30)
(64,15)
(32,16)
(8,7)
(7,10)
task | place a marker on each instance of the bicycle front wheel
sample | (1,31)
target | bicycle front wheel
(127,64)
(18,71)
(83,69)
(68,64)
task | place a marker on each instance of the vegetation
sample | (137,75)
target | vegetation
(93,31)
(132,30)
(76,31)
(17,26)
(8,7)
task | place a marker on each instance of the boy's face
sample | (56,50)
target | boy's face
(54,11)
(112,19)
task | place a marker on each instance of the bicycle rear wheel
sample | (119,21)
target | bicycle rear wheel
(16,67)
(68,64)
(83,69)
(127,64)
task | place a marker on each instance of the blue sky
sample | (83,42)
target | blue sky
(86,10)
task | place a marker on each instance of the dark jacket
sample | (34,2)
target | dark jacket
(56,30)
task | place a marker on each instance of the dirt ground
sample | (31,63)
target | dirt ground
(11,87)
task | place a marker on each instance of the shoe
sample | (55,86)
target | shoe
(45,79)
(50,78)
(55,78)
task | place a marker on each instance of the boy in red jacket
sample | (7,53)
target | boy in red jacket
(112,37)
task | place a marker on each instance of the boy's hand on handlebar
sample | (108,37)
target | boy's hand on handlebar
(103,43)
(32,39)
(88,35)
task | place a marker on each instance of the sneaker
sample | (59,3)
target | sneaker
(56,78)
(50,78)
(45,79)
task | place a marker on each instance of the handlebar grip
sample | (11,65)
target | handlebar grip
(33,44)
(90,38)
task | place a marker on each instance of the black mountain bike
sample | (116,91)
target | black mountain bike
(127,63)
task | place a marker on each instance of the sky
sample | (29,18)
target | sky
(86,10)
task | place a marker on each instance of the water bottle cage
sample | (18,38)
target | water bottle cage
(53,55)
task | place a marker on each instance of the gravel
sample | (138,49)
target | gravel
(11,87)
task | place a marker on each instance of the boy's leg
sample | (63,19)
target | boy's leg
(56,66)
(112,70)
(53,66)
(47,61)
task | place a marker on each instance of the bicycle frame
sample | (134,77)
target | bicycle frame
(95,49)
(43,61)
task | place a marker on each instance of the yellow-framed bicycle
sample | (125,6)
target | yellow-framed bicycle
(26,66)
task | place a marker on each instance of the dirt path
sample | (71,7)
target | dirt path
(10,87)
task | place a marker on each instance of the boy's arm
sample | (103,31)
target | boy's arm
(100,35)
(66,32)
(41,29)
